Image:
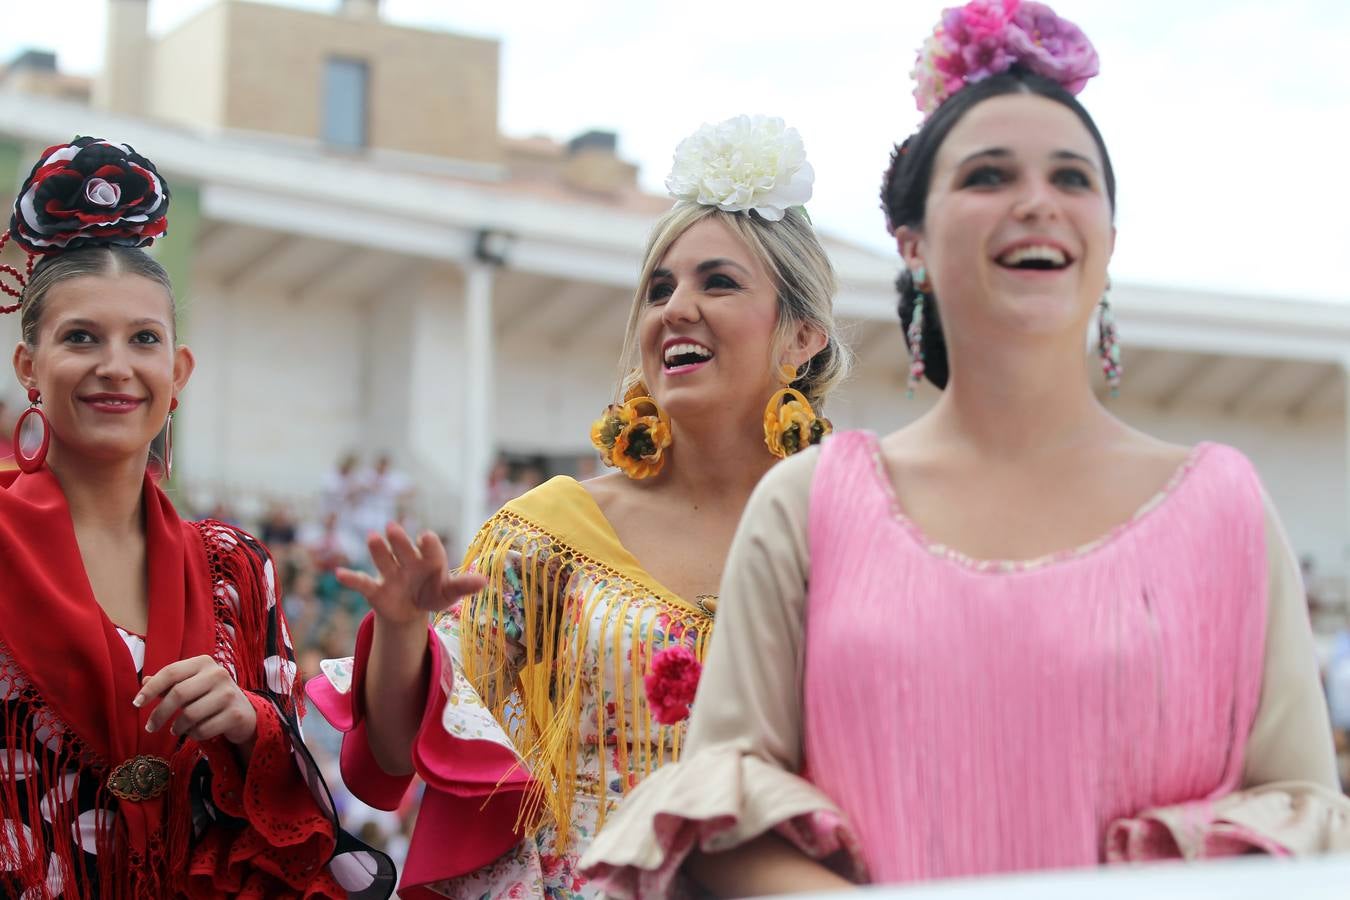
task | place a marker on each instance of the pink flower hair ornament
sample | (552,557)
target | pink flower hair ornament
(988,37)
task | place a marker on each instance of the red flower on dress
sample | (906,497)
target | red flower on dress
(671,683)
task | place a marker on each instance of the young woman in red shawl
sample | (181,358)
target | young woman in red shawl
(149,744)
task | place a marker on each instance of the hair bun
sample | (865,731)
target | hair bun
(89,192)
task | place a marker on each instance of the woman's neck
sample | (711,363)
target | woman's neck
(1014,401)
(102,495)
(715,465)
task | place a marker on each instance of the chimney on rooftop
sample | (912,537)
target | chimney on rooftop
(592,164)
(126,58)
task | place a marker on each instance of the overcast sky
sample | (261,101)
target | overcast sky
(1226,119)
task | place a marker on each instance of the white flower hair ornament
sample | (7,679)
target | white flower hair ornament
(745,164)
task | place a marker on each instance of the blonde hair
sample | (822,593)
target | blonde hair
(790,250)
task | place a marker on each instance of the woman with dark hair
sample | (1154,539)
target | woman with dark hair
(149,742)
(1016,634)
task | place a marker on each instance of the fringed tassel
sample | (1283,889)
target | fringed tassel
(47,867)
(562,595)
(233,563)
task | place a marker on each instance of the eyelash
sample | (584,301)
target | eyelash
(716,282)
(135,339)
(1070,177)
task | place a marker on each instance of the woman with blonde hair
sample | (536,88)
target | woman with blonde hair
(538,702)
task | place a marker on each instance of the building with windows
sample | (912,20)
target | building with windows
(365,262)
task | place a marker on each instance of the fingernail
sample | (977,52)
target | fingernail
(138,702)
(149,728)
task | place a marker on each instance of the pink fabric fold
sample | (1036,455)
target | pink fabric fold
(474,790)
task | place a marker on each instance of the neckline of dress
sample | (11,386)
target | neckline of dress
(638,573)
(1000,566)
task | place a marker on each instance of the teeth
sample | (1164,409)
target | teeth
(675,350)
(1042,252)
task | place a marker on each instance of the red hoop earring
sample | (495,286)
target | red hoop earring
(31,464)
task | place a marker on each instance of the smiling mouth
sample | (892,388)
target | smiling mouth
(1035,258)
(678,356)
(113,402)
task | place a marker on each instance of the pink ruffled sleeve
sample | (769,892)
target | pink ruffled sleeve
(475,783)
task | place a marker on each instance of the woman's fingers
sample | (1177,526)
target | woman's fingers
(433,551)
(382,555)
(402,545)
(362,583)
(453,586)
(182,694)
(198,711)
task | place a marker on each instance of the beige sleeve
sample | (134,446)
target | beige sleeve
(750,695)
(1291,738)
(737,775)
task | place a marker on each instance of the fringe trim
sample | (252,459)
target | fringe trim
(565,595)
(44,777)
(27,855)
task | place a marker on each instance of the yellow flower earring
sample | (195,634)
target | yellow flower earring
(790,424)
(633,436)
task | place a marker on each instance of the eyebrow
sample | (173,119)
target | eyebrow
(90,323)
(1005,153)
(706,266)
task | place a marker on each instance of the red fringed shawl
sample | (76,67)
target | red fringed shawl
(69,682)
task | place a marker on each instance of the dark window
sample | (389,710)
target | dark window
(344,102)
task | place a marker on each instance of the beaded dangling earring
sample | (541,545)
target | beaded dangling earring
(633,436)
(914,335)
(1108,343)
(790,424)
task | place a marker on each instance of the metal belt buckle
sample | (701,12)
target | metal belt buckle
(140,778)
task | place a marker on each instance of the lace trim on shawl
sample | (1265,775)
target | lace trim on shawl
(564,590)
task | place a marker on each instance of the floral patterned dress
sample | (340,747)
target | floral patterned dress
(555,691)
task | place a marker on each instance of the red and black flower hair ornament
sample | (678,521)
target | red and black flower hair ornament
(87,193)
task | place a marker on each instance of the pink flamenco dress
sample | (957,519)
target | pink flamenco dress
(904,713)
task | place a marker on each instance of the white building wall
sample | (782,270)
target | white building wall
(546,396)
(276,397)
(435,396)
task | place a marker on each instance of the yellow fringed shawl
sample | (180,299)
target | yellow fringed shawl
(574,578)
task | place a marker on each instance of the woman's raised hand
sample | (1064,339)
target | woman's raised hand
(412,580)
